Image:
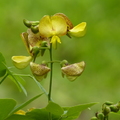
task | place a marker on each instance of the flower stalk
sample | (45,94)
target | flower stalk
(51,73)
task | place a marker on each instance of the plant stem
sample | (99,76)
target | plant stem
(3,78)
(51,73)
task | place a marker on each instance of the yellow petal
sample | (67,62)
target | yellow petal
(69,23)
(50,26)
(21,62)
(45,26)
(59,25)
(20,112)
(79,30)
(54,41)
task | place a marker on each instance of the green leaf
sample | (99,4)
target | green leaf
(6,106)
(24,104)
(74,112)
(38,114)
(18,80)
(41,114)
(54,108)
(2,67)
(19,117)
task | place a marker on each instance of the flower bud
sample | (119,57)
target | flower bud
(106,110)
(108,103)
(21,62)
(94,118)
(74,70)
(118,104)
(64,63)
(100,116)
(114,108)
(39,70)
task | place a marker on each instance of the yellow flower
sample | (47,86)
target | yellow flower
(53,26)
(79,30)
(73,71)
(20,112)
(21,62)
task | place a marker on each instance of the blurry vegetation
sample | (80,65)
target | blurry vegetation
(99,48)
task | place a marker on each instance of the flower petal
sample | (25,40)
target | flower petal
(54,41)
(59,25)
(45,26)
(55,25)
(69,23)
(21,62)
(79,30)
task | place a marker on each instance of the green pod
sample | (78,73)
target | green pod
(27,23)
(35,29)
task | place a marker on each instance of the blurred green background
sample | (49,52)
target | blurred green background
(99,48)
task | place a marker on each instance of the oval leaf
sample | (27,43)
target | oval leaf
(2,67)
(54,108)
(6,106)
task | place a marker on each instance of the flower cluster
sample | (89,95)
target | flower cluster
(40,35)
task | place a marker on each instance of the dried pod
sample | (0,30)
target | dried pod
(74,70)
(39,70)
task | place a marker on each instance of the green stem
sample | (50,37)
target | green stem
(38,83)
(51,72)
(3,78)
